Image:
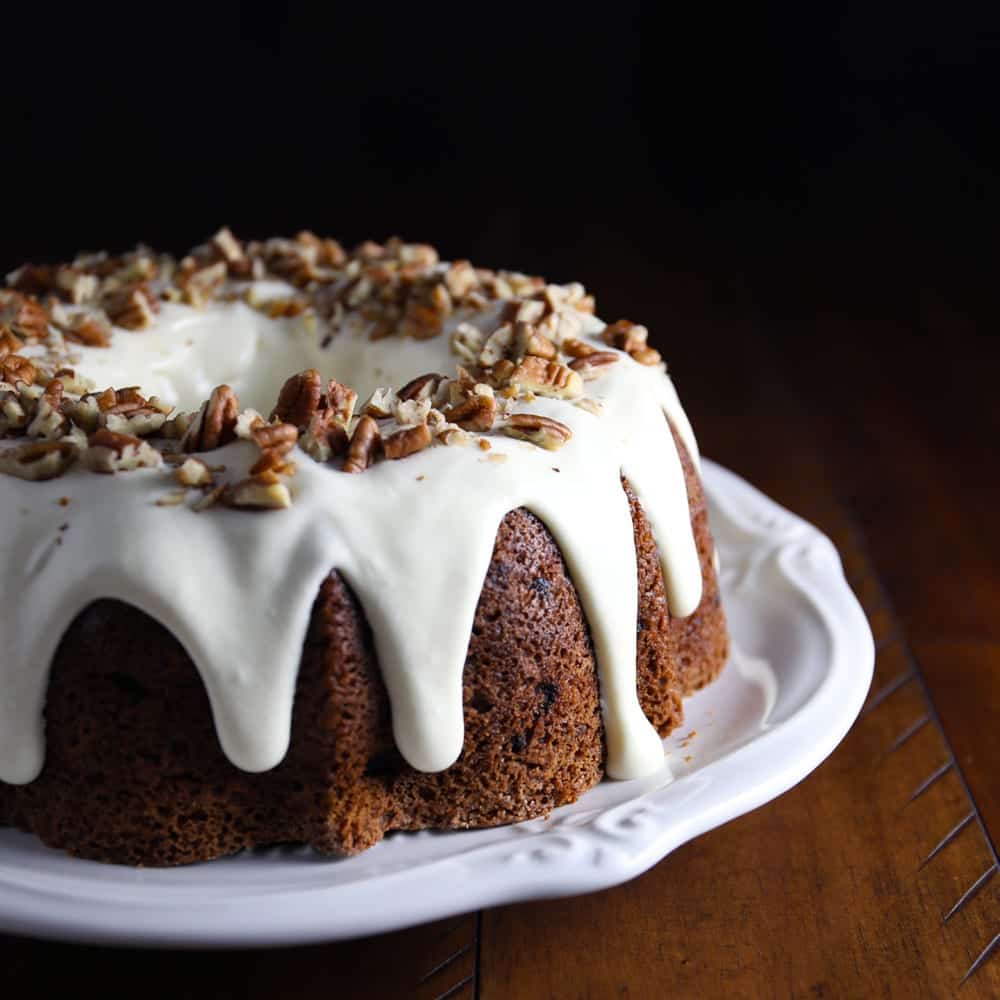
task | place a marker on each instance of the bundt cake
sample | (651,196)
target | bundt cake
(353,543)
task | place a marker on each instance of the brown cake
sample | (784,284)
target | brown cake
(164,736)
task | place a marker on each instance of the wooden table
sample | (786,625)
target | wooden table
(876,876)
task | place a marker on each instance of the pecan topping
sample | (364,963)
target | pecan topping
(93,331)
(631,338)
(26,317)
(365,442)
(477,413)
(279,438)
(14,368)
(406,442)
(198,287)
(133,307)
(577,348)
(38,460)
(264,496)
(271,466)
(547,378)
(299,398)
(9,343)
(539,430)
(527,340)
(215,424)
(594,365)
(340,401)
(422,387)
(324,438)
(193,472)
(108,451)
(76,285)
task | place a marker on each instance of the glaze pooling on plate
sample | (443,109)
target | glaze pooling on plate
(413,539)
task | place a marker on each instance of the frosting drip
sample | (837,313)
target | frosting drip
(413,539)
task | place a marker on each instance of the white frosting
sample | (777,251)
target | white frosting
(413,539)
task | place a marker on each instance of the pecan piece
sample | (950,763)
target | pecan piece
(542,431)
(193,472)
(9,343)
(594,365)
(340,401)
(108,451)
(26,317)
(262,496)
(299,398)
(76,285)
(271,466)
(132,307)
(92,331)
(528,340)
(547,378)
(406,442)
(365,443)
(15,368)
(625,335)
(646,356)
(198,287)
(215,424)
(325,437)
(422,387)
(476,413)
(38,460)
(279,438)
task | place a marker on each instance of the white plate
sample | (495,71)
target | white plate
(795,683)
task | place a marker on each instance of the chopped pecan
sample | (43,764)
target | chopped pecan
(407,441)
(215,424)
(324,438)
(467,341)
(547,378)
(421,322)
(246,423)
(577,348)
(108,451)
(26,317)
(132,307)
(32,279)
(422,387)
(340,401)
(279,438)
(76,285)
(139,421)
(193,472)
(460,279)
(299,398)
(380,404)
(38,460)
(91,330)
(199,286)
(9,342)
(263,496)
(364,446)
(646,356)
(528,340)
(476,413)
(271,465)
(15,368)
(542,431)
(498,346)
(625,335)
(228,247)
(594,365)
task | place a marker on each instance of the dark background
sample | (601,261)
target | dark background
(775,159)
